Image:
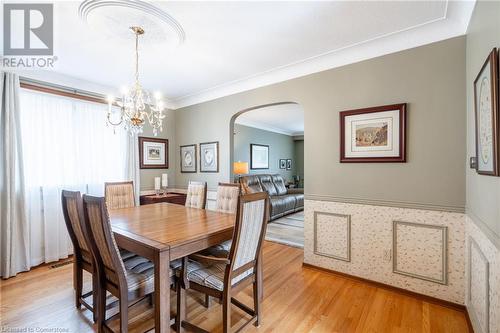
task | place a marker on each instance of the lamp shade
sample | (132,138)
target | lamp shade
(240,168)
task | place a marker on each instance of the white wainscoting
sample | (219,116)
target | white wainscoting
(332,235)
(434,268)
(483,280)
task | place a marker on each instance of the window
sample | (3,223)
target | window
(66,145)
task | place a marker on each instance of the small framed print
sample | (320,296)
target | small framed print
(376,134)
(289,164)
(259,156)
(282,164)
(153,153)
(209,157)
(486,113)
(188,159)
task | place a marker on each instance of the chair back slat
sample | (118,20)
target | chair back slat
(101,239)
(227,197)
(119,194)
(196,195)
(73,215)
(248,234)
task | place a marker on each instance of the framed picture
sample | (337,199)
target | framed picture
(289,164)
(376,134)
(188,159)
(209,157)
(259,156)
(153,153)
(282,164)
(486,113)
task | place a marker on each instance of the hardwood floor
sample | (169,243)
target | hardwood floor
(296,299)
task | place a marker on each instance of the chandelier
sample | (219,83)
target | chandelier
(136,104)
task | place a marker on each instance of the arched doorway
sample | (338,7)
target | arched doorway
(268,142)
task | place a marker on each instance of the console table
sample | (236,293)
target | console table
(171,197)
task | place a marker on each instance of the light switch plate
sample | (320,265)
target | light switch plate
(473,162)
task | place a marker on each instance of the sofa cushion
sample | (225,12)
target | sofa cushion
(299,200)
(279,183)
(281,204)
(250,184)
(267,184)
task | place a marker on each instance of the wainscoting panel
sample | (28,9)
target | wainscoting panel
(332,235)
(483,280)
(420,251)
(479,269)
(372,246)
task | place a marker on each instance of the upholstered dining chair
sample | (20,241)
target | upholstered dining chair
(128,279)
(73,213)
(196,195)
(224,277)
(227,202)
(119,194)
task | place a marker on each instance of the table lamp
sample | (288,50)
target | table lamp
(240,168)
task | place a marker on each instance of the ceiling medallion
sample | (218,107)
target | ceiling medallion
(109,7)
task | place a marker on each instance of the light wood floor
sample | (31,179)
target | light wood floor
(296,299)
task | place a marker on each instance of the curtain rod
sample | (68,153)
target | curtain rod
(61,90)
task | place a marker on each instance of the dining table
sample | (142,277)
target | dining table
(164,232)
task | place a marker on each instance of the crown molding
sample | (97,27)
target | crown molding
(453,23)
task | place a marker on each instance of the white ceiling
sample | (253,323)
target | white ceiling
(284,118)
(236,46)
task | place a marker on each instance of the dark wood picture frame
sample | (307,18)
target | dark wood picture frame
(217,160)
(492,60)
(195,158)
(401,158)
(251,156)
(282,163)
(142,140)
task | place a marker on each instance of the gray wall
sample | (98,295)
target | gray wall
(281,146)
(299,159)
(148,175)
(483,192)
(430,79)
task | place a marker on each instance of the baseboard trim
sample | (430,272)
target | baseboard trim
(422,297)
(386,203)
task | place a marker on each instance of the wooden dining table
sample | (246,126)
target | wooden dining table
(164,232)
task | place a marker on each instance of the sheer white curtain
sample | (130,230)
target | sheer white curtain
(66,145)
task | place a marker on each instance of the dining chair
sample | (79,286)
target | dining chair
(224,277)
(196,195)
(119,194)
(73,213)
(227,202)
(128,279)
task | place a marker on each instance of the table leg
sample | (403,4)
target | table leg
(162,292)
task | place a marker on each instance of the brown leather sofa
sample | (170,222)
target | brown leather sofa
(283,201)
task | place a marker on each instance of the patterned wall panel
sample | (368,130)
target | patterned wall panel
(479,285)
(371,246)
(420,251)
(332,235)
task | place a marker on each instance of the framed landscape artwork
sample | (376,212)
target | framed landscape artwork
(376,134)
(282,164)
(153,153)
(486,114)
(289,164)
(259,156)
(209,157)
(188,159)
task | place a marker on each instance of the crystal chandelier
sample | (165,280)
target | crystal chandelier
(136,104)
